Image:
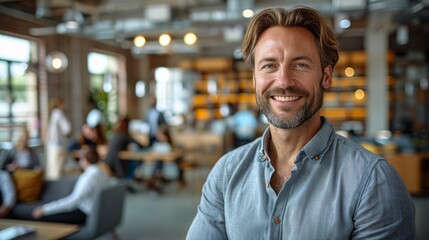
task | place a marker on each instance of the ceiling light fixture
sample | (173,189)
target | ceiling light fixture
(342,22)
(73,19)
(56,62)
(190,38)
(164,39)
(248,13)
(345,23)
(139,41)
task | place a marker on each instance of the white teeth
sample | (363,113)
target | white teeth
(285,99)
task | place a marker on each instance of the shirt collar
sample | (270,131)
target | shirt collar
(262,149)
(314,149)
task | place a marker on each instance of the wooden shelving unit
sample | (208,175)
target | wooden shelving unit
(346,99)
(233,83)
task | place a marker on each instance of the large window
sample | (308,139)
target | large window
(19,106)
(104,84)
(174,89)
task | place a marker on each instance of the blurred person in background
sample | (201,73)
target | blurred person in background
(156,120)
(120,141)
(75,207)
(21,156)
(159,135)
(7,193)
(88,136)
(244,125)
(59,128)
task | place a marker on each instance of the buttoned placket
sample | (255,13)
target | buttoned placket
(278,218)
(278,203)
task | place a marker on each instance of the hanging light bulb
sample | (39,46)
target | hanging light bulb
(164,39)
(248,13)
(139,41)
(190,38)
(56,62)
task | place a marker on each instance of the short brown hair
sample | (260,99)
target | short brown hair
(305,17)
(90,153)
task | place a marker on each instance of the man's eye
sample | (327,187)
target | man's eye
(268,66)
(300,65)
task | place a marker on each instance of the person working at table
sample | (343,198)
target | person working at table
(300,180)
(158,134)
(120,140)
(75,207)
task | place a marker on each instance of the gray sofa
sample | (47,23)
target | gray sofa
(106,215)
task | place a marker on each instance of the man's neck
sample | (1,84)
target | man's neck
(286,143)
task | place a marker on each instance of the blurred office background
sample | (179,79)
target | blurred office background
(187,54)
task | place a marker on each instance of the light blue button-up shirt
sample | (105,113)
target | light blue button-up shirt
(337,190)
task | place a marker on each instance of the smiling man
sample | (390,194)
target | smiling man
(300,180)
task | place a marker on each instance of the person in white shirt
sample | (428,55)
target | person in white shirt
(7,193)
(58,130)
(77,206)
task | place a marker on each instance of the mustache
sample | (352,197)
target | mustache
(285,91)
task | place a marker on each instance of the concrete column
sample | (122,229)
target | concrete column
(376,47)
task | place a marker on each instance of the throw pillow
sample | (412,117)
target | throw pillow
(28,184)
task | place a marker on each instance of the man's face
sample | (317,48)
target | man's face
(288,78)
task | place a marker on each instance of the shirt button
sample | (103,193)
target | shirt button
(316,157)
(267,185)
(277,220)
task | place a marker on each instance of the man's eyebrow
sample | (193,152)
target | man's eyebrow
(296,58)
(303,57)
(266,59)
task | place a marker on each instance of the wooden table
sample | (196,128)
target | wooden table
(409,166)
(44,230)
(151,156)
(154,183)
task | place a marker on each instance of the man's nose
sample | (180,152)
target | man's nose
(286,77)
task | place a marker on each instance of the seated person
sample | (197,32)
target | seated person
(21,156)
(7,193)
(120,140)
(87,136)
(164,142)
(77,206)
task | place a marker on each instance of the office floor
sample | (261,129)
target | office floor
(162,216)
(167,216)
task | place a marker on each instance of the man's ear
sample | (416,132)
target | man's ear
(327,77)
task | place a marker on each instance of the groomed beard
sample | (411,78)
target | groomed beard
(312,105)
